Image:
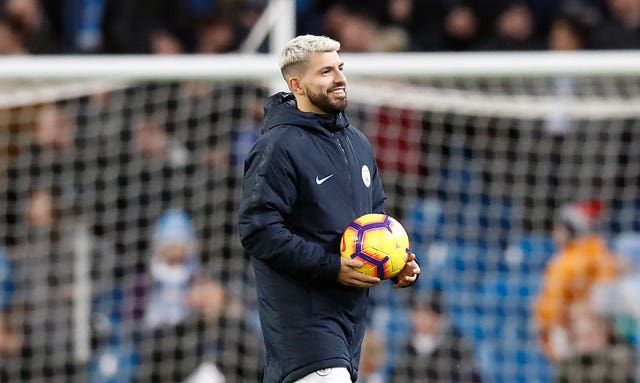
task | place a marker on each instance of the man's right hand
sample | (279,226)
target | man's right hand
(349,276)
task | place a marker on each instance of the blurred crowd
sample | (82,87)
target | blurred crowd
(148,179)
(140,185)
(221,26)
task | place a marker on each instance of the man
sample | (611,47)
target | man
(582,261)
(436,352)
(307,177)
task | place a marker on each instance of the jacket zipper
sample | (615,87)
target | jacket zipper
(346,161)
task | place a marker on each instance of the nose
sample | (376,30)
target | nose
(340,78)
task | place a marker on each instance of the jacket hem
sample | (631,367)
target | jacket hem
(308,369)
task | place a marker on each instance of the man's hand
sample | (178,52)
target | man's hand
(409,272)
(349,276)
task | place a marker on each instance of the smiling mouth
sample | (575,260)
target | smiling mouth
(338,91)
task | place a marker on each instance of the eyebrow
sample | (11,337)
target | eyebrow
(341,64)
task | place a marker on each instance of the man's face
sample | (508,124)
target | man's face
(324,83)
(174,253)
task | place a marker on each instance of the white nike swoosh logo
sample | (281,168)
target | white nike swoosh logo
(319,181)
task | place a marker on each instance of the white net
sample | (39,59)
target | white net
(122,261)
(118,219)
(477,170)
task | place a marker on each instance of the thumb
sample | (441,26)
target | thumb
(410,256)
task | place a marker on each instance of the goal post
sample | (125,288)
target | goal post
(108,161)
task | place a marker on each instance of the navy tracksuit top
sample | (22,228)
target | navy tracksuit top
(307,177)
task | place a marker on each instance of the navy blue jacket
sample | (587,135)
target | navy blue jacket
(307,177)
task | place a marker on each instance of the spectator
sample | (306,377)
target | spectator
(164,168)
(129,26)
(334,17)
(308,17)
(359,29)
(436,352)
(372,358)
(626,289)
(6,281)
(12,36)
(246,134)
(10,344)
(461,27)
(618,299)
(44,157)
(420,20)
(166,43)
(37,32)
(113,358)
(53,129)
(10,339)
(77,24)
(582,261)
(598,355)
(218,34)
(622,29)
(570,30)
(44,295)
(190,320)
(572,27)
(227,25)
(173,266)
(167,26)
(514,30)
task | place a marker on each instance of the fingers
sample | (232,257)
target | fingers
(364,283)
(414,267)
(360,280)
(354,263)
(405,281)
(408,274)
(351,277)
(354,277)
(365,279)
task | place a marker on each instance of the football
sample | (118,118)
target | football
(379,241)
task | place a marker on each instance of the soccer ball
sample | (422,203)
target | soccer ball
(379,241)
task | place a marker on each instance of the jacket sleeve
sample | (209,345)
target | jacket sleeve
(269,194)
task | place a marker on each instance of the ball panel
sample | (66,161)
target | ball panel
(348,241)
(379,241)
(370,218)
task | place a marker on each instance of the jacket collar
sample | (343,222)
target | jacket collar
(281,109)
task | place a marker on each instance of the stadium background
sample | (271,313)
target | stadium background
(104,158)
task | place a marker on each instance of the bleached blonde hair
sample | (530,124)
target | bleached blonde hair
(297,51)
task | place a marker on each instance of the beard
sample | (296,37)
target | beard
(324,102)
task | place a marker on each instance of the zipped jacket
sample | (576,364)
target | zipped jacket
(307,177)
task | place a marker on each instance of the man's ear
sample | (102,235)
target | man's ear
(296,85)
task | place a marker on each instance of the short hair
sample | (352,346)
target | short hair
(430,300)
(297,51)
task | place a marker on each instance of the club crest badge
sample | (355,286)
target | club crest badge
(366,176)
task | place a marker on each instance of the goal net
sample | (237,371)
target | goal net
(120,259)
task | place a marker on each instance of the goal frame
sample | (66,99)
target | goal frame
(253,66)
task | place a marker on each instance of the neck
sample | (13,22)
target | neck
(304,105)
